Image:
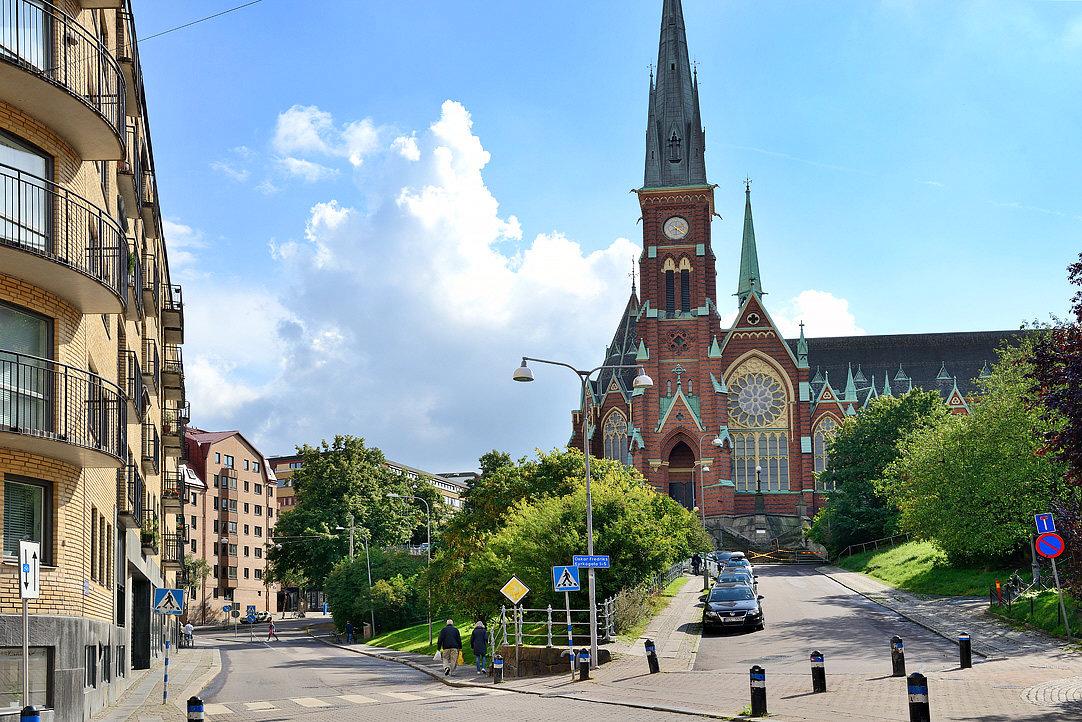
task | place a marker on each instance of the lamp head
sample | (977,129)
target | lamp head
(758,468)
(706,468)
(523,373)
(642,381)
(392,495)
(717,441)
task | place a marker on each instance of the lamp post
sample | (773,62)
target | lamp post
(703,468)
(641,381)
(368,564)
(428,511)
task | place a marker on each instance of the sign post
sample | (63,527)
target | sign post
(566,579)
(168,602)
(1050,545)
(590,562)
(29,588)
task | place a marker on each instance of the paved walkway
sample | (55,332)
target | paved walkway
(189,672)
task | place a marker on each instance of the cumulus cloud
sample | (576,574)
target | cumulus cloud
(822,313)
(230,171)
(307,170)
(406,146)
(184,244)
(305,129)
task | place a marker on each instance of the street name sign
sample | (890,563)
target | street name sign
(565,579)
(514,590)
(29,569)
(169,601)
(591,561)
(1050,545)
(1045,523)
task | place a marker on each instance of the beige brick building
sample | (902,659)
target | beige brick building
(231,520)
(92,407)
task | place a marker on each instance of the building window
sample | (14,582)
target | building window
(26,508)
(614,434)
(194,520)
(246,532)
(247,466)
(232,527)
(824,431)
(216,552)
(214,503)
(259,510)
(246,549)
(217,457)
(27,391)
(216,526)
(232,505)
(759,427)
(232,550)
(194,499)
(258,488)
(246,573)
(258,573)
(255,468)
(11,671)
(259,531)
(232,572)
(90,666)
(23,194)
(246,508)
(193,546)
(215,571)
(94,543)
(228,461)
(215,481)
(270,511)
(258,553)
(106,664)
(246,488)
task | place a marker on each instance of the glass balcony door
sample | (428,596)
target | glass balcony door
(25,379)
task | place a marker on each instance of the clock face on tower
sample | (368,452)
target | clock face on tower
(676,228)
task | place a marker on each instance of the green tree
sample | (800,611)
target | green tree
(972,483)
(340,479)
(397,590)
(859,452)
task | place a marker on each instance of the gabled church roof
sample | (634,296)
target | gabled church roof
(622,350)
(749,280)
(675,140)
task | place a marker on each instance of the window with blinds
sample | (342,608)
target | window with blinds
(24,515)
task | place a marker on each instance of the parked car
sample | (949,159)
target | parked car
(732,606)
(719,556)
(738,564)
(262,617)
(738,577)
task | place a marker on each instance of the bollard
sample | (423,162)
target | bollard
(584,664)
(497,669)
(917,684)
(195,709)
(758,691)
(897,656)
(819,672)
(30,713)
(965,651)
(651,657)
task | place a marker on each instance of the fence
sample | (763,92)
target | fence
(875,544)
(548,626)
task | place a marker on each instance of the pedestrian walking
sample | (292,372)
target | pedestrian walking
(271,632)
(349,632)
(696,563)
(449,644)
(479,645)
(189,634)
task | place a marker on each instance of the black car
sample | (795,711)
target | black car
(733,605)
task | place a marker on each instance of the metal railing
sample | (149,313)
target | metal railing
(129,493)
(172,548)
(45,41)
(548,626)
(152,447)
(47,220)
(875,544)
(151,282)
(665,578)
(152,368)
(132,374)
(45,399)
(172,359)
(133,164)
(173,486)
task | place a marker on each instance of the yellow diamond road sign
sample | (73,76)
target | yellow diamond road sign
(514,590)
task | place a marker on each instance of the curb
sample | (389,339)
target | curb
(949,636)
(453,683)
(195,687)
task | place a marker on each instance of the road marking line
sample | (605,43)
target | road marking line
(407,696)
(216,709)
(357,698)
(310,702)
(259,705)
(443,692)
(494,692)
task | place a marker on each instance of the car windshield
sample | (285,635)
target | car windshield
(731,594)
(734,579)
(737,565)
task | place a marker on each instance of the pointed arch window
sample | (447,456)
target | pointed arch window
(759,427)
(824,431)
(674,148)
(614,436)
(670,287)
(685,285)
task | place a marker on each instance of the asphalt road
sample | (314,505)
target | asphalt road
(299,678)
(806,611)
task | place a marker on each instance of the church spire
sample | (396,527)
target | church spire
(675,141)
(749,255)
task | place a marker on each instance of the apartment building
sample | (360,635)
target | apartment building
(232,520)
(92,407)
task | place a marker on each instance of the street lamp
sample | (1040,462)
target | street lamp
(368,564)
(641,381)
(428,511)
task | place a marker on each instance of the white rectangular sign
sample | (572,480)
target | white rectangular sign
(29,569)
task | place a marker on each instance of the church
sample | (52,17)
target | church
(737,420)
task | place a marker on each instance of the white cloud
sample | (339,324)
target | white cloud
(227,169)
(406,146)
(934,184)
(307,170)
(184,243)
(304,129)
(267,187)
(823,314)
(360,139)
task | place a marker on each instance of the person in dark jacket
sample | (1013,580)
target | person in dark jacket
(479,645)
(450,645)
(696,563)
(349,632)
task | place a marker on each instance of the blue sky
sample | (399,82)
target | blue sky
(388,254)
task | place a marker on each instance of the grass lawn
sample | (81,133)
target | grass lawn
(415,638)
(657,603)
(922,568)
(1045,605)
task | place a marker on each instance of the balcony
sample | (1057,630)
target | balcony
(172,372)
(151,450)
(152,367)
(130,174)
(172,552)
(58,71)
(127,54)
(229,582)
(172,492)
(152,285)
(59,241)
(134,306)
(174,425)
(61,412)
(149,207)
(173,315)
(131,374)
(150,537)
(129,496)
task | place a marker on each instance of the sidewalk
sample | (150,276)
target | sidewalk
(947,616)
(189,672)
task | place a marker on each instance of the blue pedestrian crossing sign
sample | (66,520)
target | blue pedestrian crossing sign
(565,579)
(1045,523)
(169,601)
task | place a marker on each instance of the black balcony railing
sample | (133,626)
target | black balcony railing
(152,366)
(129,493)
(135,284)
(151,283)
(172,549)
(51,400)
(42,218)
(173,486)
(132,376)
(172,359)
(152,448)
(44,40)
(133,165)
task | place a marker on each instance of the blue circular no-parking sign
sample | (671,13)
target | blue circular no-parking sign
(1050,545)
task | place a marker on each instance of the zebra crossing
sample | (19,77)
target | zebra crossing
(371,697)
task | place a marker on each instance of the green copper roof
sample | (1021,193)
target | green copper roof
(642,354)
(719,388)
(850,386)
(715,349)
(943,375)
(802,349)
(749,281)
(886,385)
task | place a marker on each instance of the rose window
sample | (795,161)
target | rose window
(756,400)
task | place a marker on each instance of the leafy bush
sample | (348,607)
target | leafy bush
(398,593)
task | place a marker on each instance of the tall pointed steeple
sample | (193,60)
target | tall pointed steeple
(675,140)
(749,254)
